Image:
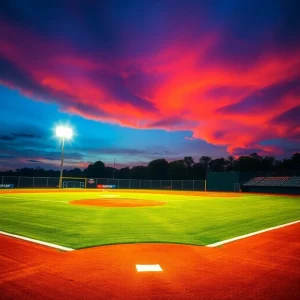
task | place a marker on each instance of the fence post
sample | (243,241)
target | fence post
(47,182)
(171,184)
(18,182)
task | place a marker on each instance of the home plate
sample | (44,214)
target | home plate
(148,268)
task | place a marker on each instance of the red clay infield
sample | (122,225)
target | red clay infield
(123,202)
(265,266)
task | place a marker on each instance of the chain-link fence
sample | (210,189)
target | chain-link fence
(30,182)
(185,185)
(53,182)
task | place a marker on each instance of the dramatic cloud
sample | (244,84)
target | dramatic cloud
(227,71)
(33,161)
(6,156)
(6,138)
(15,136)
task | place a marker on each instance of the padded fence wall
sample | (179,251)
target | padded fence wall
(246,176)
(222,181)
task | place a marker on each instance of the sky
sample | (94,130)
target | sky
(148,79)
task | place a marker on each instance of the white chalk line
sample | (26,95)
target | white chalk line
(36,241)
(250,234)
(34,199)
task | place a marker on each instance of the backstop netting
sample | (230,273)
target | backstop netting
(74,183)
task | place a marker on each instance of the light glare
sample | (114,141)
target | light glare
(64,132)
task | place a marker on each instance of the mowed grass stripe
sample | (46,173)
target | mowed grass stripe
(183,219)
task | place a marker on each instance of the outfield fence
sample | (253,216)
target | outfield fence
(53,182)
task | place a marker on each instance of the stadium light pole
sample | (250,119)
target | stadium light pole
(63,133)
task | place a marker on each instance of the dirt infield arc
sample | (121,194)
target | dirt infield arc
(124,202)
(262,267)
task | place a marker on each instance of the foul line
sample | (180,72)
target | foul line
(37,241)
(32,199)
(250,234)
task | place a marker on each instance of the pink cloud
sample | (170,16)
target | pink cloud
(178,87)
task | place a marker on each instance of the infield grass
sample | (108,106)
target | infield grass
(187,219)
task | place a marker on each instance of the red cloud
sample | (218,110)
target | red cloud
(179,87)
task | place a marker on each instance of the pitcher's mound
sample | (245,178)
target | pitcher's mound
(120,202)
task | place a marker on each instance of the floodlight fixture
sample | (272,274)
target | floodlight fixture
(64,132)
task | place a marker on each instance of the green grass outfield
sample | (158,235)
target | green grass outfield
(185,218)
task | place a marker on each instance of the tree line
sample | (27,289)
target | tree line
(160,169)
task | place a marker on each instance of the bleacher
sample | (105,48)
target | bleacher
(273,184)
(254,181)
(272,181)
(293,182)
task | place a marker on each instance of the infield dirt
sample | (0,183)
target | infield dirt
(122,202)
(263,267)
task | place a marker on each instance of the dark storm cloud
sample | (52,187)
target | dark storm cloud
(7,138)
(15,136)
(287,30)
(172,122)
(33,161)
(248,151)
(290,116)
(26,135)
(126,151)
(6,156)
(10,72)
(56,155)
(264,98)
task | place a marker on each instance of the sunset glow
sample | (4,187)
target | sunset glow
(226,73)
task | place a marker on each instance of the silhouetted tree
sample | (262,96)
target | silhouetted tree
(204,162)
(249,163)
(139,172)
(217,165)
(295,160)
(124,173)
(198,171)
(267,163)
(158,169)
(177,169)
(230,163)
(188,163)
(76,172)
(95,170)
